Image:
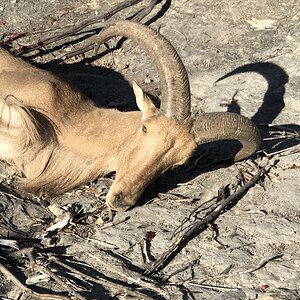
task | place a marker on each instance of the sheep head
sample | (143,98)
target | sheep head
(159,143)
(167,137)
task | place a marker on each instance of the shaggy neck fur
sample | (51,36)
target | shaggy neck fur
(56,167)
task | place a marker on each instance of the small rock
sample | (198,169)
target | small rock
(223,39)
(100,221)
(262,24)
(56,209)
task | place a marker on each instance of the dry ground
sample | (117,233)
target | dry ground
(261,39)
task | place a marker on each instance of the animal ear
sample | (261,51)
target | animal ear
(143,102)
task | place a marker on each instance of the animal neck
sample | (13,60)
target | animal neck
(82,152)
(101,133)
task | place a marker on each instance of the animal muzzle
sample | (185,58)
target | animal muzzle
(117,201)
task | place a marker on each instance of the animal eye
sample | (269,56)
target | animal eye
(144,129)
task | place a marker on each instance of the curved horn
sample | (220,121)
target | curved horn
(209,127)
(175,98)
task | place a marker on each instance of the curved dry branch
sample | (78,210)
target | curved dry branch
(138,17)
(27,290)
(77,28)
(202,224)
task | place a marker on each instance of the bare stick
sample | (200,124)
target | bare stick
(77,28)
(138,17)
(214,287)
(27,290)
(96,280)
(286,151)
(185,220)
(183,268)
(145,11)
(260,265)
(46,270)
(123,273)
(70,290)
(114,223)
(210,218)
(12,278)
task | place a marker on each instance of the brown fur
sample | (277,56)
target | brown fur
(58,139)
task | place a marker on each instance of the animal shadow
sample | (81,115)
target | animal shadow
(219,154)
(110,89)
(272,105)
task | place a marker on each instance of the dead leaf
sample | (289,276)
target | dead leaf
(61,222)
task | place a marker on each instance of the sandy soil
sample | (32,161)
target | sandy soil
(256,252)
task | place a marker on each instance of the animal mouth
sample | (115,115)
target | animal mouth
(117,202)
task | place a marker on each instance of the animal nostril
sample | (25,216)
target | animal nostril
(119,200)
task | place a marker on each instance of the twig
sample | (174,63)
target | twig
(12,278)
(9,38)
(37,266)
(214,287)
(138,17)
(102,243)
(77,52)
(95,280)
(12,196)
(70,290)
(261,264)
(194,211)
(129,278)
(27,290)
(145,11)
(281,127)
(77,28)
(286,151)
(183,268)
(9,243)
(276,135)
(202,224)
(114,223)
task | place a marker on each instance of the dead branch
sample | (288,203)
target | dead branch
(100,20)
(214,287)
(138,17)
(202,206)
(145,11)
(284,152)
(9,243)
(10,37)
(70,290)
(260,265)
(26,290)
(124,273)
(184,267)
(202,224)
(99,281)
(77,28)
(114,223)
(43,269)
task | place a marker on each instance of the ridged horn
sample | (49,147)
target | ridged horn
(216,126)
(175,95)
